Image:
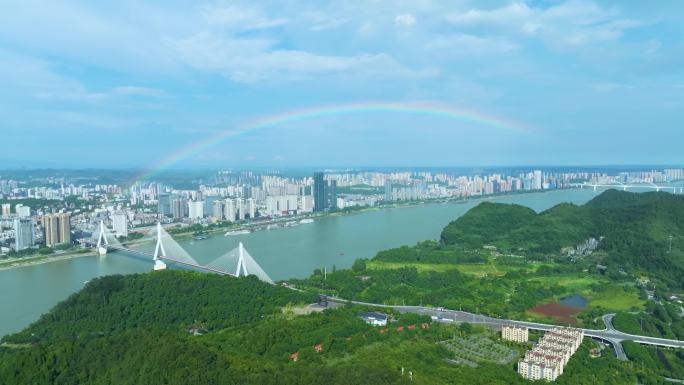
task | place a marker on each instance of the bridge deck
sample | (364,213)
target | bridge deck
(174,260)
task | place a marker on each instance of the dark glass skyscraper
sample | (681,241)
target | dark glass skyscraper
(319,187)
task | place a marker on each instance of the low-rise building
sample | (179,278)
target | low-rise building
(375,319)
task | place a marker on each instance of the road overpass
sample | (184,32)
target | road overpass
(608,335)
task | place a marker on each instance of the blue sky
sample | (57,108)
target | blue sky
(127,83)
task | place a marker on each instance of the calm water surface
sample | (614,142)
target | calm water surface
(27,292)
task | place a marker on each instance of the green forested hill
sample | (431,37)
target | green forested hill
(635,230)
(168,300)
(133,330)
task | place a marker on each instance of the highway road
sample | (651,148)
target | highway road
(609,334)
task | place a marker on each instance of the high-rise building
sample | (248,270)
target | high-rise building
(209,201)
(217,210)
(306,203)
(164,203)
(196,209)
(50,230)
(331,194)
(6,208)
(319,187)
(23,234)
(179,208)
(388,190)
(57,229)
(230,210)
(22,211)
(240,205)
(120,224)
(281,204)
(64,228)
(251,207)
(538,180)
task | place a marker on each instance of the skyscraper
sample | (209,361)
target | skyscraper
(64,228)
(538,180)
(23,234)
(57,229)
(51,230)
(320,199)
(388,190)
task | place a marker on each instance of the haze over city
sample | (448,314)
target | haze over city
(127,85)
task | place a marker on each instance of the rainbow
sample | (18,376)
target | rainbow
(432,110)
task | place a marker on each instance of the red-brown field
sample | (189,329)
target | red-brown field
(561,313)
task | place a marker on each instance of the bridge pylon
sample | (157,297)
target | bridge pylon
(159,250)
(102,242)
(241,261)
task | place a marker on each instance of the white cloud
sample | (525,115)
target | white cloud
(26,76)
(319,21)
(405,20)
(138,91)
(471,44)
(572,23)
(241,18)
(250,60)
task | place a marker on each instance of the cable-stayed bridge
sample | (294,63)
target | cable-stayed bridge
(625,187)
(237,262)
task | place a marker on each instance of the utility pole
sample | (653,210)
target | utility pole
(670,238)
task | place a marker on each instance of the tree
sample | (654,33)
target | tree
(466,328)
(359,265)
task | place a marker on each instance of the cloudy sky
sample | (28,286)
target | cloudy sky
(129,84)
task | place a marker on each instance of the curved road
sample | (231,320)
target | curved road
(608,335)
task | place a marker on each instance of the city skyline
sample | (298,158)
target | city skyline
(255,86)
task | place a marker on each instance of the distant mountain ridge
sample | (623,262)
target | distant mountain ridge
(636,230)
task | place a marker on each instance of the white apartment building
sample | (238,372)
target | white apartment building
(230,210)
(196,209)
(279,204)
(538,371)
(306,203)
(515,333)
(120,224)
(550,355)
(22,211)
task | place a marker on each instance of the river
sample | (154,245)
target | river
(27,292)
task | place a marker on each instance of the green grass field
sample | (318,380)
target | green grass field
(421,267)
(572,282)
(615,298)
(475,269)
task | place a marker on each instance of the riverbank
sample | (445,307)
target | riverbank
(264,225)
(16,263)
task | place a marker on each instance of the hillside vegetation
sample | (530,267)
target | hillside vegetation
(140,329)
(634,228)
